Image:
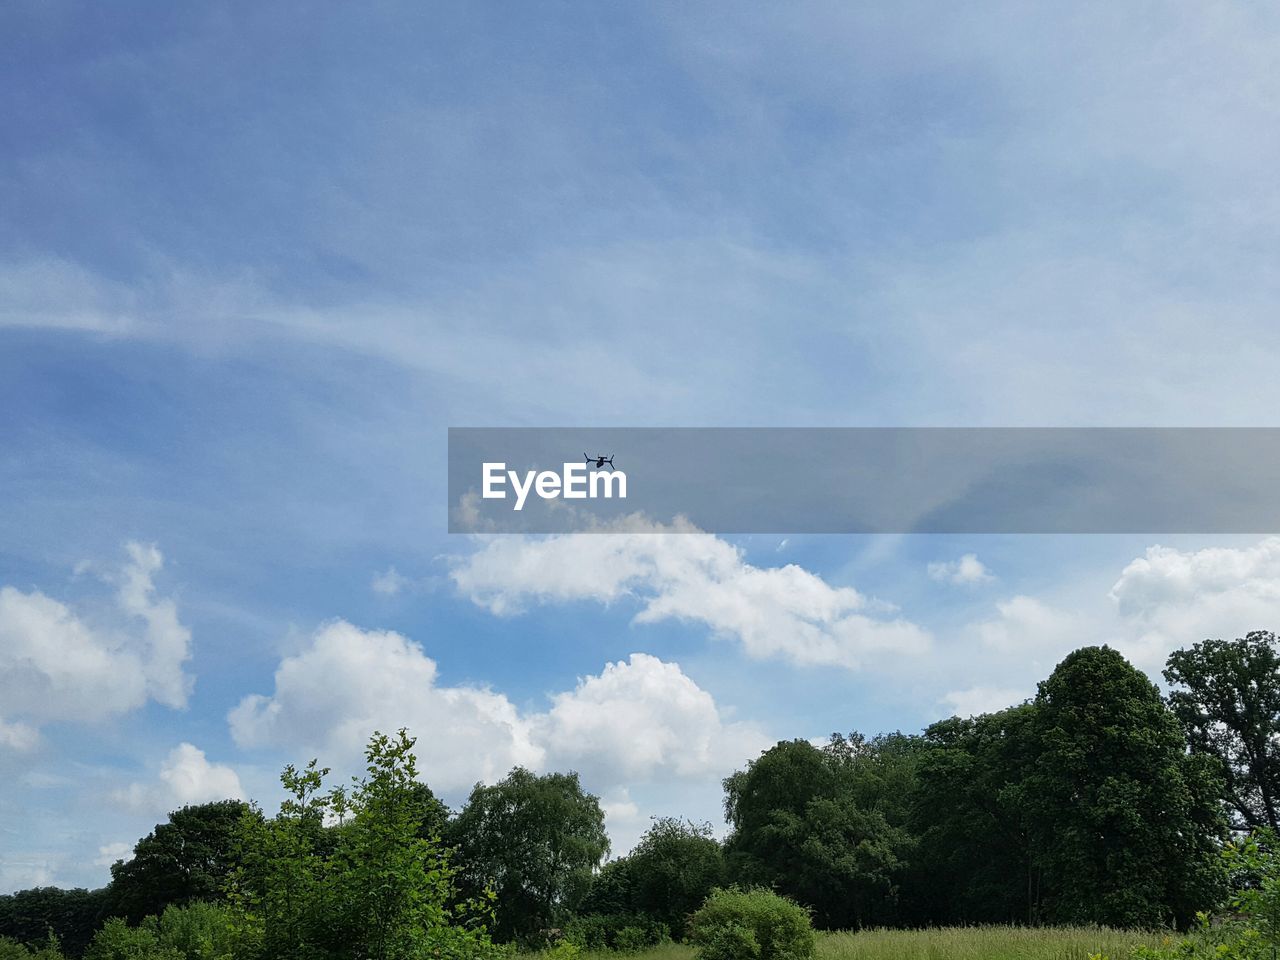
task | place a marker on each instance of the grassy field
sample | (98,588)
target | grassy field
(954,943)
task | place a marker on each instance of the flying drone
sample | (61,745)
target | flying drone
(600,461)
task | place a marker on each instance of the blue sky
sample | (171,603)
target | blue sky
(256,258)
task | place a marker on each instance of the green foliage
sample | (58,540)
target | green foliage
(535,840)
(49,949)
(826,826)
(1229,706)
(666,876)
(1251,931)
(1125,825)
(198,931)
(624,932)
(371,886)
(119,941)
(72,916)
(974,862)
(736,924)
(185,859)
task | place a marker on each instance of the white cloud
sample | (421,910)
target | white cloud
(109,853)
(966,570)
(349,682)
(166,643)
(186,776)
(1025,626)
(389,582)
(22,870)
(56,665)
(677,573)
(19,737)
(1171,598)
(977,700)
(639,720)
(639,717)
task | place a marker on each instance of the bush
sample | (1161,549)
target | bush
(626,933)
(756,924)
(119,941)
(198,931)
(11,949)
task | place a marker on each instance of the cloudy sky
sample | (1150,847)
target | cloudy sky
(256,258)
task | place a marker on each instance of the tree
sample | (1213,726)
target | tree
(668,875)
(676,864)
(1125,823)
(536,840)
(1229,708)
(825,826)
(369,886)
(72,916)
(975,862)
(185,859)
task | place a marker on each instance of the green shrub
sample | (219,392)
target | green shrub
(730,941)
(198,931)
(13,950)
(119,941)
(758,924)
(624,932)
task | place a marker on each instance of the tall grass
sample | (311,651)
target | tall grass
(984,943)
(950,943)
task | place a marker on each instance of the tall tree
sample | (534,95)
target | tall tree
(668,874)
(187,858)
(975,860)
(536,840)
(72,916)
(1229,706)
(825,826)
(347,873)
(1125,823)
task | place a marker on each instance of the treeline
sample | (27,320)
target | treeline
(1099,801)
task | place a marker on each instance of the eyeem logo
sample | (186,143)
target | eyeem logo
(574,482)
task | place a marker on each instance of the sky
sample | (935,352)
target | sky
(256,259)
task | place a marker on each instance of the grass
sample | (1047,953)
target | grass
(951,943)
(984,943)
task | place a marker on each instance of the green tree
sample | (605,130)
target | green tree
(347,873)
(665,878)
(119,941)
(1229,707)
(1125,824)
(72,916)
(975,861)
(187,858)
(826,826)
(536,840)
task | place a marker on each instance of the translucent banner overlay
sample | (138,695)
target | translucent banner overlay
(865,480)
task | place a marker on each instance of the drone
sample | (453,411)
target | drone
(600,461)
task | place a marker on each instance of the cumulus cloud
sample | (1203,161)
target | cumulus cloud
(349,682)
(966,570)
(1169,598)
(678,573)
(1165,599)
(57,665)
(638,717)
(641,719)
(1025,625)
(186,776)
